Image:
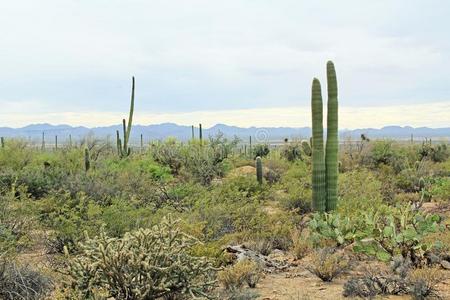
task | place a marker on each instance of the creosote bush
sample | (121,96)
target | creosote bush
(144,264)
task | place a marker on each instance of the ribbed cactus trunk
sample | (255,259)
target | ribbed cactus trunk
(318,160)
(43,142)
(192,132)
(142,144)
(87,160)
(259,170)
(56,142)
(200,132)
(331,155)
(250,145)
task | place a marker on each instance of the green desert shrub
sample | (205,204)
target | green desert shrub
(168,153)
(144,264)
(296,185)
(291,151)
(359,191)
(440,190)
(17,219)
(261,150)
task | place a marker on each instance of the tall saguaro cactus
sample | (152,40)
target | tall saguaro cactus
(331,155)
(3,142)
(325,166)
(318,160)
(259,170)
(122,146)
(200,132)
(43,141)
(87,160)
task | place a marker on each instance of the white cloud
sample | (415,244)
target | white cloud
(188,56)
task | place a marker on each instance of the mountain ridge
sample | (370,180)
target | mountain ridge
(184,132)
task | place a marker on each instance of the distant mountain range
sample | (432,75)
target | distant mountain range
(259,134)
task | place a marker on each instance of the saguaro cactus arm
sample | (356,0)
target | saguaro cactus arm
(331,156)
(318,165)
(130,116)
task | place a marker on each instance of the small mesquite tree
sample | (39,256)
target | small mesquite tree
(325,164)
(122,146)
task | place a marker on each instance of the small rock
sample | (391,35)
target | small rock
(445,264)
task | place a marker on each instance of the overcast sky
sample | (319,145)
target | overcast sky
(247,62)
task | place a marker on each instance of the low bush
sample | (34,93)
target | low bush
(327,264)
(301,244)
(423,282)
(243,272)
(372,284)
(22,282)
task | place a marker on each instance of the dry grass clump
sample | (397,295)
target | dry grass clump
(301,246)
(243,272)
(327,264)
(423,282)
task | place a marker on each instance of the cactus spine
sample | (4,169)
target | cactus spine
(318,166)
(87,160)
(331,155)
(259,171)
(122,146)
(325,167)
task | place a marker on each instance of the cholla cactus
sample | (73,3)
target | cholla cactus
(145,264)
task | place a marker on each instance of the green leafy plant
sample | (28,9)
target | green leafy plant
(400,231)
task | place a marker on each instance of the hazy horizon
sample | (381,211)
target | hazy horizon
(240,63)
